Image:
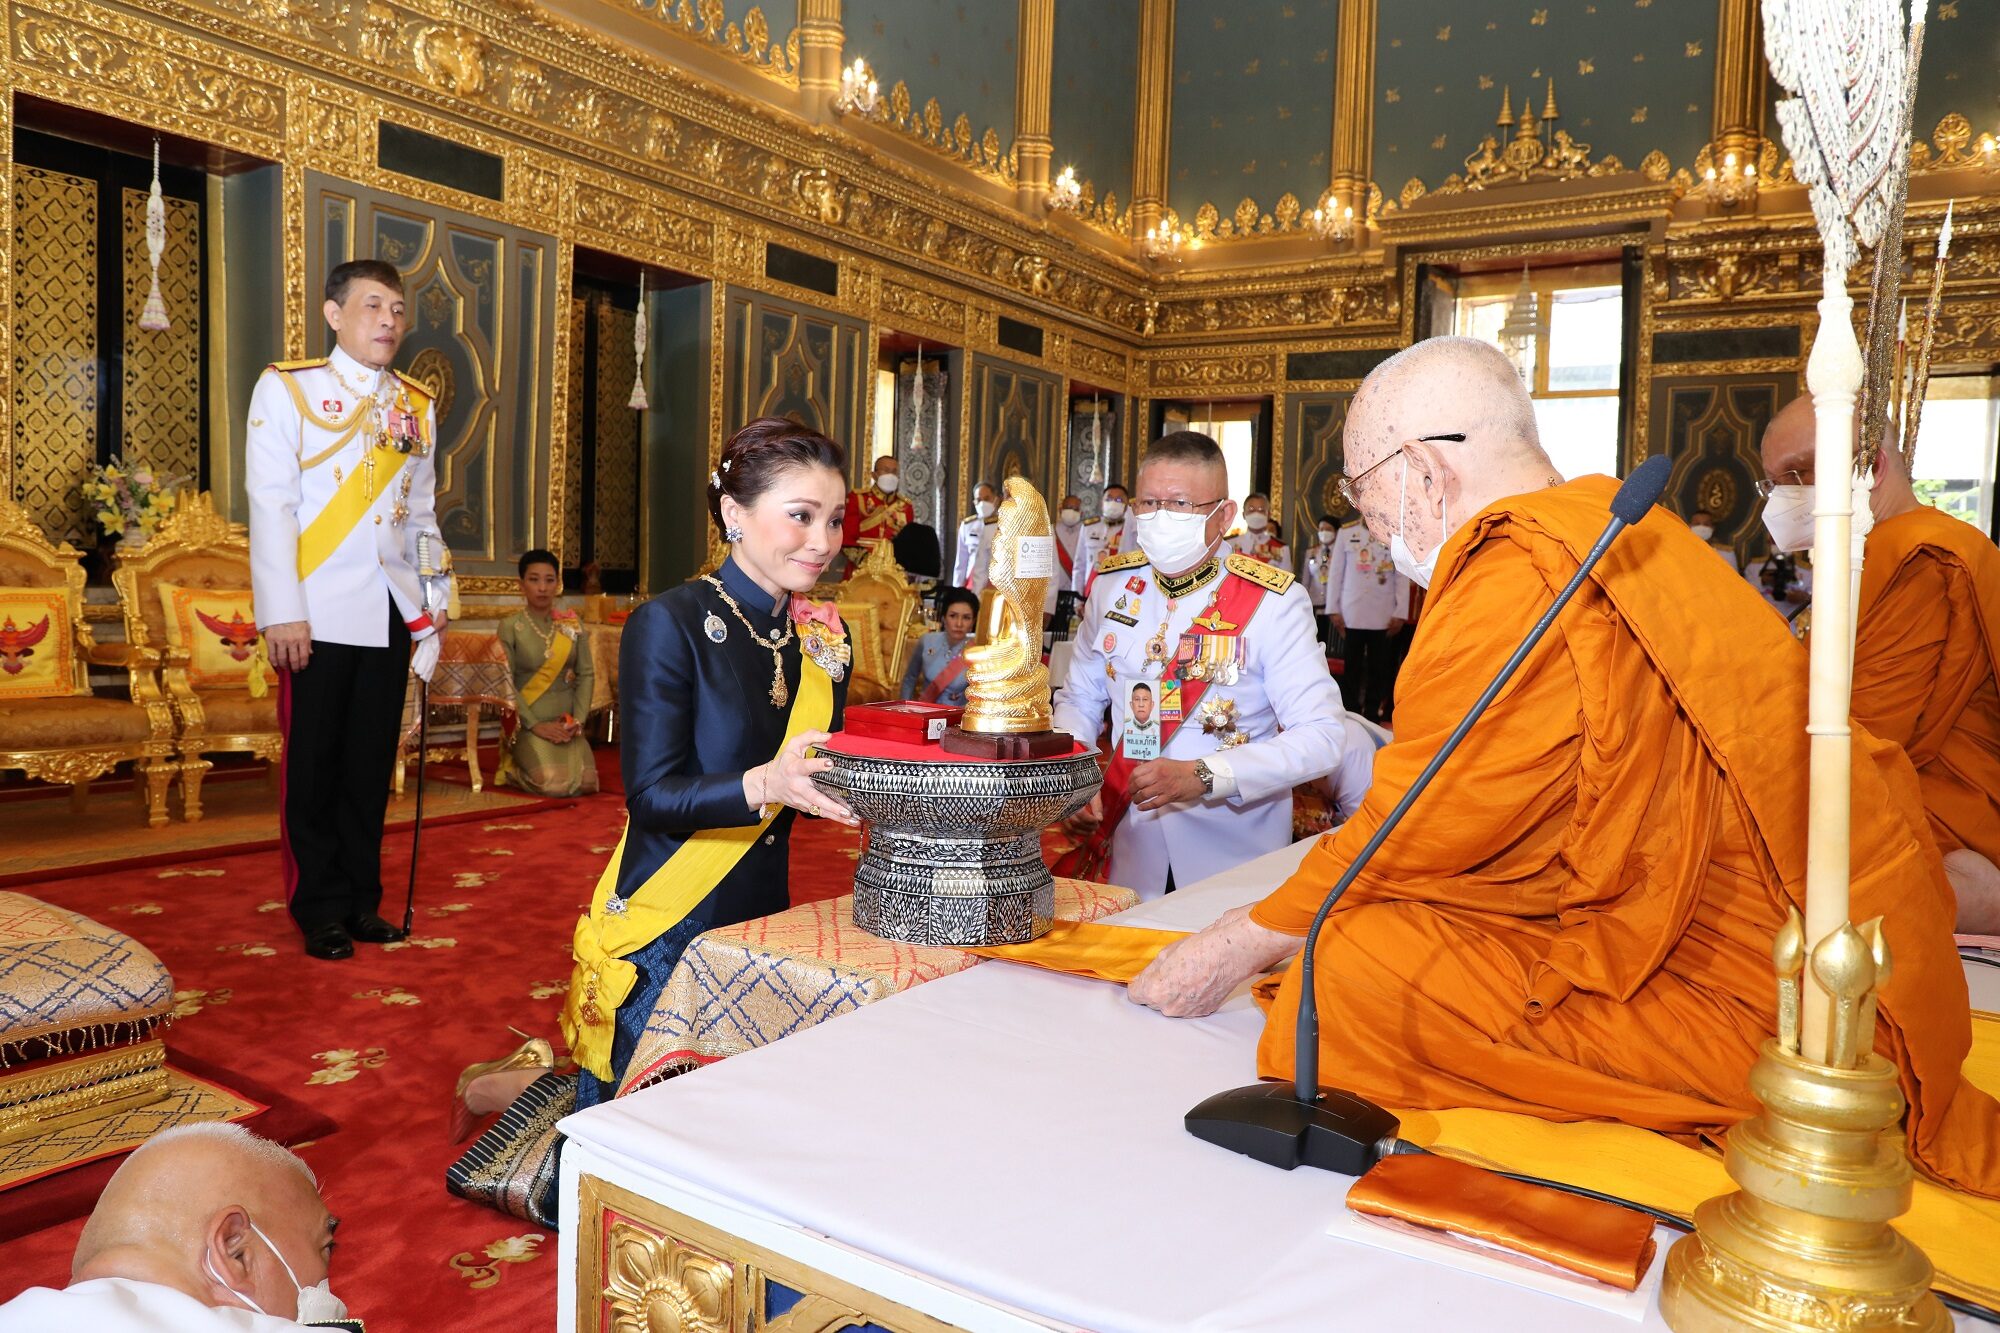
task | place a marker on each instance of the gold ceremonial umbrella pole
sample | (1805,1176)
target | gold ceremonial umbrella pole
(1806,1242)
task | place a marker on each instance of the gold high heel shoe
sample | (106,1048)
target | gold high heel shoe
(534,1053)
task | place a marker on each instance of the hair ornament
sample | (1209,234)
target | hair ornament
(714,481)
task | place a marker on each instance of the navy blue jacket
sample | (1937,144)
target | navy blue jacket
(696,715)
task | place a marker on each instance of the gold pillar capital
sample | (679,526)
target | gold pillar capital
(1151,125)
(820,39)
(1738,120)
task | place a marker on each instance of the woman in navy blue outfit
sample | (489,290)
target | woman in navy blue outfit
(709,673)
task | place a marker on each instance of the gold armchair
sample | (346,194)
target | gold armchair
(75,737)
(196,548)
(879,605)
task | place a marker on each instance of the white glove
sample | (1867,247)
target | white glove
(423,660)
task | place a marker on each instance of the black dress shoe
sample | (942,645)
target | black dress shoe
(330,941)
(372,929)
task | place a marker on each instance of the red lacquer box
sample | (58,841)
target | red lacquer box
(910,722)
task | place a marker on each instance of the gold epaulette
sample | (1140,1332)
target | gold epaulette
(1123,560)
(1268,577)
(303,363)
(418,389)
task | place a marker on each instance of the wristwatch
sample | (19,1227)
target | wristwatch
(1206,774)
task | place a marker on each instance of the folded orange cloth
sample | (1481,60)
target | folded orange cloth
(1088,949)
(1602,1241)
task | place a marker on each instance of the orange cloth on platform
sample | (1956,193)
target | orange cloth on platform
(1576,920)
(1925,665)
(1093,949)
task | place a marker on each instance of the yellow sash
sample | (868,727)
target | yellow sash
(602,980)
(538,684)
(349,505)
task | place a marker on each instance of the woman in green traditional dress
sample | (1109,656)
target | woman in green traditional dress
(549,655)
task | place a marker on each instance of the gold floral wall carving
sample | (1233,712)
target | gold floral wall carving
(161,414)
(54,316)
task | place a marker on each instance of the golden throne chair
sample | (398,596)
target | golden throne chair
(215,711)
(472,677)
(66,734)
(879,605)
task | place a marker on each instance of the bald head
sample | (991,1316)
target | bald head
(1789,447)
(202,1192)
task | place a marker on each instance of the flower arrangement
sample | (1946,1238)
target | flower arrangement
(131,497)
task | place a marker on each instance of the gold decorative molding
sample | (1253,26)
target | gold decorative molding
(1534,149)
(751,43)
(1151,110)
(985,154)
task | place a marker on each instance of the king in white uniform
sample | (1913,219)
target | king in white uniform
(341,475)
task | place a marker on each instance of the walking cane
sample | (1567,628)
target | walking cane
(430,576)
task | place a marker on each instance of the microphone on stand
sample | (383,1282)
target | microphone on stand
(1289,1125)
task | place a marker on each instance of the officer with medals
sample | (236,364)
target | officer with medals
(1110,535)
(1238,705)
(1369,603)
(341,475)
(975,540)
(1259,540)
(876,514)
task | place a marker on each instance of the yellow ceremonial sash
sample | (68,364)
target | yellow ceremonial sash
(602,980)
(349,505)
(538,684)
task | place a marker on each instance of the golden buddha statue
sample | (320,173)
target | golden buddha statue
(1007,687)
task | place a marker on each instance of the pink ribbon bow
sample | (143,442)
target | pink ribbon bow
(805,611)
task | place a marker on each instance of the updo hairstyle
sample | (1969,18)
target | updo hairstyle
(761,452)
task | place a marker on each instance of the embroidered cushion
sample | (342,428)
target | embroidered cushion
(37,644)
(63,976)
(219,628)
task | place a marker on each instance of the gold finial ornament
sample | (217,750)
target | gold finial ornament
(1007,687)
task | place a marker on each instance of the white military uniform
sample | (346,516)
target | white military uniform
(975,552)
(1362,586)
(1348,784)
(1264,546)
(1277,725)
(310,441)
(1069,542)
(1319,567)
(1101,541)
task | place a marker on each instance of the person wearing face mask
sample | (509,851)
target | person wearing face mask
(875,514)
(1319,562)
(1926,649)
(1109,535)
(1069,552)
(1238,687)
(1368,601)
(1576,921)
(1702,524)
(975,540)
(1260,539)
(202,1228)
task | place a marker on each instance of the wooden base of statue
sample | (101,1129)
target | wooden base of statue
(1007,744)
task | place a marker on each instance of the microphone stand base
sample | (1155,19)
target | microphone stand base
(1338,1132)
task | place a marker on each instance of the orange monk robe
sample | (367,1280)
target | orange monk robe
(873,516)
(1925,664)
(1575,921)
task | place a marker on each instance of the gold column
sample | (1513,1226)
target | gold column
(6,275)
(1155,102)
(1034,58)
(1354,108)
(1738,124)
(820,57)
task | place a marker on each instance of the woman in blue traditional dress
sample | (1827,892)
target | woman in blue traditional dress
(725,685)
(936,674)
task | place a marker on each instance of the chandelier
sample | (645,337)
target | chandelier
(858,93)
(1734,184)
(1066,192)
(1162,240)
(1330,224)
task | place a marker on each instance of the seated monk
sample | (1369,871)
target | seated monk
(1576,921)
(1926,654)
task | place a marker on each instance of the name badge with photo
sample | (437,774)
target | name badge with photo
(1140,734)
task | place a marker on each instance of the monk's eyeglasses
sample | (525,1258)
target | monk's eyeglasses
(1344,488)
(1769,484)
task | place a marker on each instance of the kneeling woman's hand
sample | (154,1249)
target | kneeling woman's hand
(787,780)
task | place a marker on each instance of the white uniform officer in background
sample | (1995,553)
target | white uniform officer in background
(975,540)
(1237,706)
(1108,535)
(1070,569)
(342,476)
(1368,601)
(1318,569)
(1259,540)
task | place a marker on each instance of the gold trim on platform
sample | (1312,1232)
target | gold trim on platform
(42,1098)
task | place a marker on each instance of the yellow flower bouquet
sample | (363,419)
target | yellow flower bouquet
(131,499)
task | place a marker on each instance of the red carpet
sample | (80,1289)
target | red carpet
(374,1043)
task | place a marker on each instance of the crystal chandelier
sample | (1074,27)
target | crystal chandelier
(1066,192)
(859,93)
(1331,224)
(1734,184)
(1161,241)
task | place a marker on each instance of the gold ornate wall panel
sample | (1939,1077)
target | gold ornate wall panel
(785,358)
(161,404)
(1711,428)
(54,374)
(615,501)
(1311,457)
(572,493)
(1017,430)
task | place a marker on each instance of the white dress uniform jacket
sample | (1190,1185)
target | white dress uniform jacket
(975,552)
(1263,546)
(1319,567)
(1287,710)
(120,1305)
(1363,587)
(310,435)
(1102,540)
(1069,541)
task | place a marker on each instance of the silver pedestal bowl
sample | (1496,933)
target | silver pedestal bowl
(955,846)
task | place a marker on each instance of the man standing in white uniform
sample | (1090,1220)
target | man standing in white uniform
(975,540)
(1259,540)
(1368,601)
(1318,573)
(342,477)
(1070,569)
(1236,685)
(1108,536)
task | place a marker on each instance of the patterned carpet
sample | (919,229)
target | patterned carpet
(376,1041)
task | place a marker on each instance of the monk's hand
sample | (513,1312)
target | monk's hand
(787,780)
(289,644)
(1085,821)
(1162,782)
(1192,977)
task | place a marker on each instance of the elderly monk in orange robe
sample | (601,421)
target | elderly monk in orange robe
(1926,657)
(1576,920)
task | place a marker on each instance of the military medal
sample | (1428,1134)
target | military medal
(714,628)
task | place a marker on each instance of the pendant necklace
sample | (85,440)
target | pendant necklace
(780,696)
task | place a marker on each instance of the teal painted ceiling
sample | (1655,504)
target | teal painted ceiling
(1961,67)
(1094,83)
(959,51)
(1631,76)
(1252,107)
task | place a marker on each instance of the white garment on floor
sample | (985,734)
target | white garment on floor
(120,1305)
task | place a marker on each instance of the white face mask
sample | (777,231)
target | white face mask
(1174,543)
(1788,517)
(986,508)
(1071,517)
(317,1303)
(1256,520)
(1702,530)
(1416,571)
(887,483)
(1326,536)
(1114,511)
